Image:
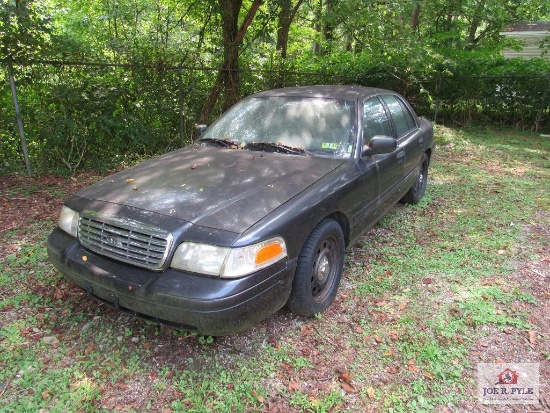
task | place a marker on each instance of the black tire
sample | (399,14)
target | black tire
(319,270)
(416,192)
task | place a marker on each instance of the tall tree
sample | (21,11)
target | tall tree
(228,77)
(415,18)
(287,13)
(326,22)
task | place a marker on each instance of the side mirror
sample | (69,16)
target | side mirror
(380,144)
(200,129)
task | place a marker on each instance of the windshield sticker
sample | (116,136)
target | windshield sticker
(328,145)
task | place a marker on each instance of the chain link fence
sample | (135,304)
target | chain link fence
(93,115)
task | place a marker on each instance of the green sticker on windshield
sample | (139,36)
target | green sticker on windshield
(328,145)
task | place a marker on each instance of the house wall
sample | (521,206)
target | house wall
(531,44)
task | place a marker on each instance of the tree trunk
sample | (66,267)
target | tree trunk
(328,27)
(415,18)
(286,17)
(476,20)
(317,26)
(228,76)
(230,69)
(283,27)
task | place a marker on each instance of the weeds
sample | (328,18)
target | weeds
(419,292)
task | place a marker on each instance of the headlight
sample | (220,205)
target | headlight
(228,262)
(68,221)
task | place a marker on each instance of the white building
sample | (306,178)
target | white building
(532,37)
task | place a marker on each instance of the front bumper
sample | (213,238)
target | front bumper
(207,305)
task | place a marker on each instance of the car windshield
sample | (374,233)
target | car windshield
(304,126)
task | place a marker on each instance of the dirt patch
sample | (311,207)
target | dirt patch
(25,200)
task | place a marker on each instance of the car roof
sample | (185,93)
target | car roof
(324,91)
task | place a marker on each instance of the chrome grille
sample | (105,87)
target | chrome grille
(124,240)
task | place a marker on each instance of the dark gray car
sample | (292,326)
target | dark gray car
(256,214)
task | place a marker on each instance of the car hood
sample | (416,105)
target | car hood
(229,189)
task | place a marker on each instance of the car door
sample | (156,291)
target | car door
(410,138)
(387,167)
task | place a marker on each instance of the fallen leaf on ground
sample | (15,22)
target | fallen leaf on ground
(412,365)
(258,397)
(293,385)
(370,392)
(306,329)
(59,294)
(348,388)
(345,377)
(314,401)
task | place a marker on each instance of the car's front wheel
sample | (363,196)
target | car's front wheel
(416,192)
(319,270)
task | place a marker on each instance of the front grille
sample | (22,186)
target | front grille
(124,240)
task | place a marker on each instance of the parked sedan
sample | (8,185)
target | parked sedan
(253,216)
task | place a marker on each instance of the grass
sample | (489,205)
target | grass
(420,291)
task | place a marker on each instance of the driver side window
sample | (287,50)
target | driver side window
(375,120)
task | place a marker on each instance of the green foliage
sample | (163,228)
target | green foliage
(137,73)
(25,26)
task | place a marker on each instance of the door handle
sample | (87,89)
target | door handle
(421,140)
(400,156)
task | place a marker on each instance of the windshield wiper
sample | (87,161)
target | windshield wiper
(275,147)
(221,142)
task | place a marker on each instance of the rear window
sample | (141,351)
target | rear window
(402,117)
